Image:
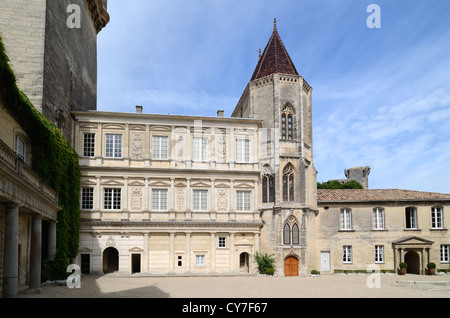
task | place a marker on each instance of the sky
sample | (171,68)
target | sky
(381,96)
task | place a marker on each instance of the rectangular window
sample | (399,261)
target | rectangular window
(113,146)
(200,149)
(436,217)
(347,254)
(345,219)
(222,242)
(445,249)
(160,147)
(378,219)
(159,199)
(21,148)
(379,254)
(242,150)
(112,199)
(200,260)
(200,200)
(87,198)
(88,145)
(243,199)
(411,218)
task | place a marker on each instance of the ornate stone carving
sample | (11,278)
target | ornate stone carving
(136,198)
(222,200)
(110,242)
(180,200)
(138,145)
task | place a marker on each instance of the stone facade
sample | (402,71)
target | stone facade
(56,66)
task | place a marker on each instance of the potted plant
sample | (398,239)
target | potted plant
(403,267)
(431,267)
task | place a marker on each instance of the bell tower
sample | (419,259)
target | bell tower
(282,99)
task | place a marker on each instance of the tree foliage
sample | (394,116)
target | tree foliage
(335,184)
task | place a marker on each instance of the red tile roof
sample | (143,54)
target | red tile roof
(377,195)
(275,59)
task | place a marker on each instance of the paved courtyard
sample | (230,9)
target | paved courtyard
(324,286)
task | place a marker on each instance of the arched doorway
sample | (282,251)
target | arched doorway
(110,260)
(413,260)
(244,262)
(291,266)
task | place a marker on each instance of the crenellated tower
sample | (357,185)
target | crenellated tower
(282,99)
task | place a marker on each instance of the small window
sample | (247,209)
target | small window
(445,249)
(287,123)
(379,254)
(159,199)
(200,200)
(222,242)
(113,146)
(436,217)
(288,183)
(345,219)
(243,201)
(88,145)
(268,188)
(378,219)
(242,150)
(160,148)
(112,198)
(200,260)
(411,218)
(87,198)
(21,148)
(287,234)
(347,254)
(200,149)
(291,234)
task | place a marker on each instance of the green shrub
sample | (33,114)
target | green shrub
(264,262)
(431,265)
(270,271)
(403,265)
(315,272)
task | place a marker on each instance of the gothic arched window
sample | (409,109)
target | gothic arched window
(268,185)
(291,233)
(287,123)
(288,183)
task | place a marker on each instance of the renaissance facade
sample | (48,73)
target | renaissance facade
(170,194)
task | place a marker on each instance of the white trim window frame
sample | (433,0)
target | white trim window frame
(445,251)
(222,242)
(347,254)
(345,219)
(379,254)
(243,201)
(112,198)
(200,200)
(200,149)
(160,147)
(436,217)
(411,218)
(378,219)
(88,145)
(242,150)
(200,260)
(159,199)
(87,198)
(113,146)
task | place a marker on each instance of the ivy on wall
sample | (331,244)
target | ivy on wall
(54,160)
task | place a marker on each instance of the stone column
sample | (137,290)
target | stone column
(188,252)
(11,251)
(145,269)
(232,252)
(52,240)
(212,262)
(172,253)
(35,253)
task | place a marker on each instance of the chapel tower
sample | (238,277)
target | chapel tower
(282,99)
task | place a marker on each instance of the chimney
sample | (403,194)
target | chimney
(139,109)
(220,113)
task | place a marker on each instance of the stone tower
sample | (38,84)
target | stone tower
(56,65)
(281,98)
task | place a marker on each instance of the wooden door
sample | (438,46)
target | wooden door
(291,266)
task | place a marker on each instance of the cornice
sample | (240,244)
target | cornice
(149,225)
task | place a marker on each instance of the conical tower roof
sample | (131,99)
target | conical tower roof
(275,58)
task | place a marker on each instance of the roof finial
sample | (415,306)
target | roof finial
(259,53)
(275,24)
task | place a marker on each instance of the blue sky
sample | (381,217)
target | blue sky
(381,97)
